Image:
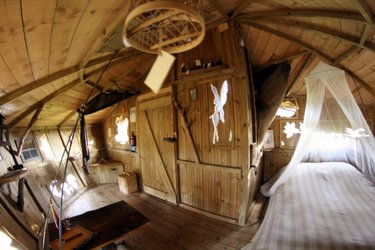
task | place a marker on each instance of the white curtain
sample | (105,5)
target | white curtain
(334,128)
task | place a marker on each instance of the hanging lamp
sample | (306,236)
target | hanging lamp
(173,26)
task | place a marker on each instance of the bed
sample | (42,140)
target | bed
(328,205)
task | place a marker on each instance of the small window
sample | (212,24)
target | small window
(29,150)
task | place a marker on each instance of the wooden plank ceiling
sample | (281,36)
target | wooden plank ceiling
(52,51)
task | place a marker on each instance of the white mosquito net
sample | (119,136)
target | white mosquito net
(333,129)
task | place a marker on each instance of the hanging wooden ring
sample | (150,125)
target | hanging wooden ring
(172,26)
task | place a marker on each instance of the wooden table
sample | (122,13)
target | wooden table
(109,223)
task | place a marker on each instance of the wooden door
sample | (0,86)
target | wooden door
(156,149)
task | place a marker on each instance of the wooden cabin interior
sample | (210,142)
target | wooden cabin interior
(194,183)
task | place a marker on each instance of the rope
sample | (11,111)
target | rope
(63,184)
(67,150)
(69,144)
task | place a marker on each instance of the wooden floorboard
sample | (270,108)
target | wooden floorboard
(170,226)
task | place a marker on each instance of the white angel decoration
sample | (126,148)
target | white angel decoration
(219,102)
(122,128)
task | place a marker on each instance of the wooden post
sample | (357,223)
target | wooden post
(187,130)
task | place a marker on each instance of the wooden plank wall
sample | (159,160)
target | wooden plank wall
(216,186)
(275,159)
(42,172)
(218,182)
(114,150)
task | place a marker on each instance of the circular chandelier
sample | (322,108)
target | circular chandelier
(171,26)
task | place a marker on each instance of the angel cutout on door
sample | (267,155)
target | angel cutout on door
(219,102)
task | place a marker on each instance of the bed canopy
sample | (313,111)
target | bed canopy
(333,128)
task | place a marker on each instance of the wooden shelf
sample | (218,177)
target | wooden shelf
(13,176)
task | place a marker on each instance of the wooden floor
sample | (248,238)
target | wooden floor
(170,227)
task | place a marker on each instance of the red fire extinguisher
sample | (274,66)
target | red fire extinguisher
(133,140)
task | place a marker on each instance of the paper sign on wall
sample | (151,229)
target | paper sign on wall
(133,114)
(159,71)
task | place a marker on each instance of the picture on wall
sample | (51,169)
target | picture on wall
(269,141)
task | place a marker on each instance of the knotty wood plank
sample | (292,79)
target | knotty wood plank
(163,171)
(175,227)
(350,16)
(17,60)
(97,19)
(38,17)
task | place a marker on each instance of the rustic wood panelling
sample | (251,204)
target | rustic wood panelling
(41,173)
(275,159)
(215,190)
(157,154)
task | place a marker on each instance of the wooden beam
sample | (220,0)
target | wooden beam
(343,15)
(220,9)
(306,64)
(16,217)
(211,166)
(115,83)
(365,34)
(36,201)
(102,38)
(287,58)
(185,126)
(241,7)
(352,50)
(218,72)
(43,101)
(214,24)
(129,70)
(27,130)
(122,54)
(314,50)
(317,29)
(61,74)
(59,92)
(364,10)
(92,84)
(66,118)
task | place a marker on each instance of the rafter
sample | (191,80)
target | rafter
(364,10)
(352,50)
(66,88)
(343,15)
(59,92)
(367,15)
(241,6)
(317,29)
(27,130)
(61,74)
(92,84)
(306,64)
(67,118)
(129,70)
(315,51)
(287,58)
(218,7)
(103,37)
(215,23)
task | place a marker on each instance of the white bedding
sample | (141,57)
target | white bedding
(322,206)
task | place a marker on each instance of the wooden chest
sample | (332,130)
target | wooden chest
(106,172)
